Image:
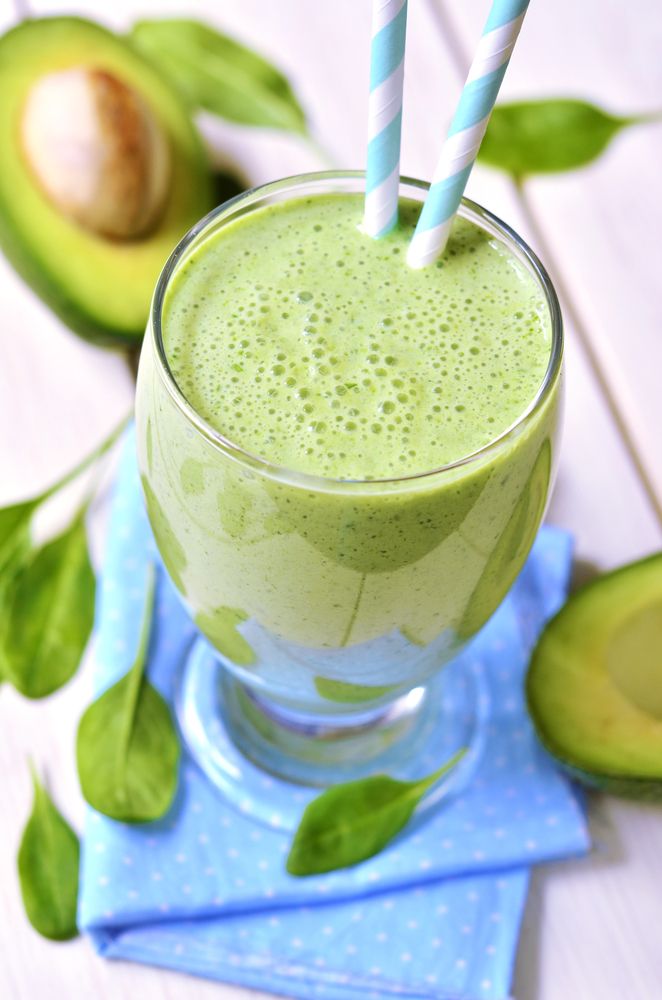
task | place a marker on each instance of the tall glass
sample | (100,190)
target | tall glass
(330,605)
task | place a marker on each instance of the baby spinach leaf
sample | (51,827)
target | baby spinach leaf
(15,519)
(218,74)
(14,550)
(14,529)
(127,748)
(349,823)
(48,869)
(49,613)
(535,137)
(46,594)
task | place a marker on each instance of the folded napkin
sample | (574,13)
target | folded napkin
(436,915)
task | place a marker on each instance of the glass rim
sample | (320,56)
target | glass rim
(312,480)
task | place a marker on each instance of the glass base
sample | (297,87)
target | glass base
(269,761)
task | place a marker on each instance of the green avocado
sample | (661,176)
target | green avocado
(100,287)
(594,685)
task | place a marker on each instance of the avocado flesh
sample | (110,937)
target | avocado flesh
(101,288)
(594,685)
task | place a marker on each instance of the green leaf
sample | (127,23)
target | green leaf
(14,551)
(12,566)
(348,823)
(127,748)
(46,595)
(537,137)
(14,529)
(218,74)
(48,610)
(15,520)
(48,869)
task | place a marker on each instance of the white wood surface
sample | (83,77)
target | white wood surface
(600,225)
(593,927)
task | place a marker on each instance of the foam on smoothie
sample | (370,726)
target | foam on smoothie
(309,344)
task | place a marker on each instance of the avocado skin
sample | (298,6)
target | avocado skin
(624,785)
(17,250)
(56,298)
(641,789)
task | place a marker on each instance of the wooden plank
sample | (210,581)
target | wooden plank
(601,224)
(590,929)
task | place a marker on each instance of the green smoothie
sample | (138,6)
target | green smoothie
(318,549)
(305,343)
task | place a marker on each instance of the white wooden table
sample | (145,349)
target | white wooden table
(593,928)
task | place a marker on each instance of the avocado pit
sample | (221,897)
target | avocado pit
(97,151)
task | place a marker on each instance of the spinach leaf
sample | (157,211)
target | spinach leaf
(218,74)
(14,529)
(49,613)
(48,869)
(14,550)
(535,137)
(348,823)
(41,635)
(127,748)
(16,518)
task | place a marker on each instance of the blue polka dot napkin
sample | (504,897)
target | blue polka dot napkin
(436,915)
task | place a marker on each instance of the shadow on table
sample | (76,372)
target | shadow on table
(607,852)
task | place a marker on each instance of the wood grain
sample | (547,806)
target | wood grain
(601,225)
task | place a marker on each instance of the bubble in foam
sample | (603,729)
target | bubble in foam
(368,335)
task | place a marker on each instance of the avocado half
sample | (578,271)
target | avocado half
(100,287)
(594,685)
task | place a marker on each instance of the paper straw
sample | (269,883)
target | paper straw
(466,131)
(387,51)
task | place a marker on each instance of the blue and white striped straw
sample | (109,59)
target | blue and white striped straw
(387,52)
(466,131)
